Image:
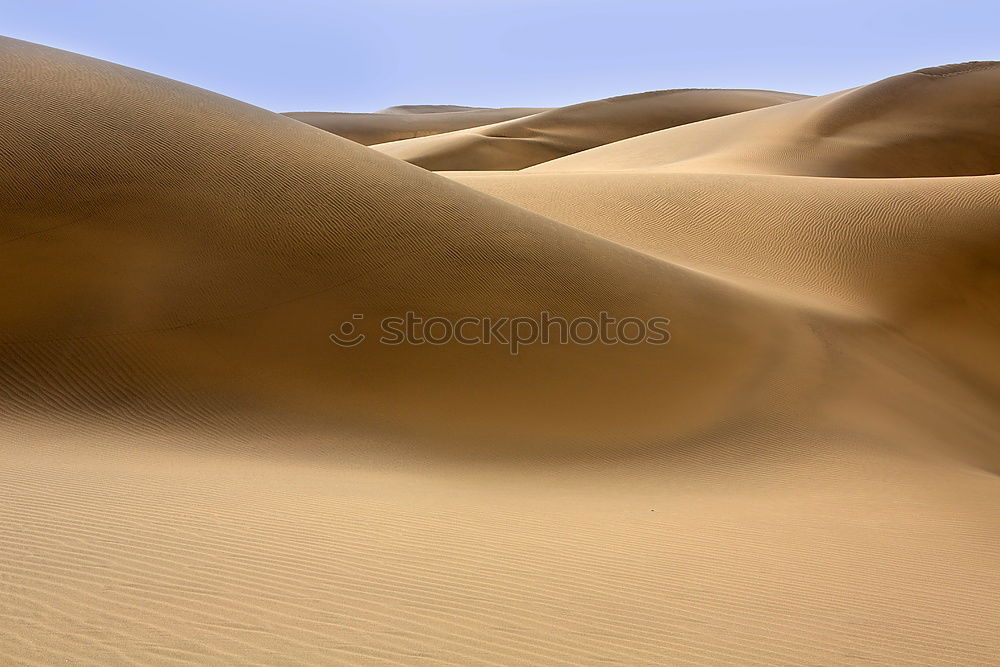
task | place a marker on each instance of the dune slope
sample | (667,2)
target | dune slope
(938,121)
(920,256)
(254,236)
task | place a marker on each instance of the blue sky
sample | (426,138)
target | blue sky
(299,55)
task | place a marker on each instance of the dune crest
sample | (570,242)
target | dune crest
(404,122)
(427,108)
(911,125)
(544,136)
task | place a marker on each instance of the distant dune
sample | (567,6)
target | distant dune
(404,122)
(529,140)
(428,108)
(193,471)
(939,121)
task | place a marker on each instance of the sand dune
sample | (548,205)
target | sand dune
(876,248)
(938,121)
(305,229)
(529,140)
(404,122)
(193,471)
(427,108)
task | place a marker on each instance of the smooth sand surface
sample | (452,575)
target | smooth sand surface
(529,140)
(192,472)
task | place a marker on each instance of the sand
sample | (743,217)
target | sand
(540,137)
(194,473)
(937,121)
(405,122)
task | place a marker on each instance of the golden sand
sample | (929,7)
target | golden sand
(192,472)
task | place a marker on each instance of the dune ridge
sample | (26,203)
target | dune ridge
(404,122)
(194,473)
(547,135)
(932,122)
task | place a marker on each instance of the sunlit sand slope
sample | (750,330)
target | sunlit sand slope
(917,256)
(522,142)
(938,121)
